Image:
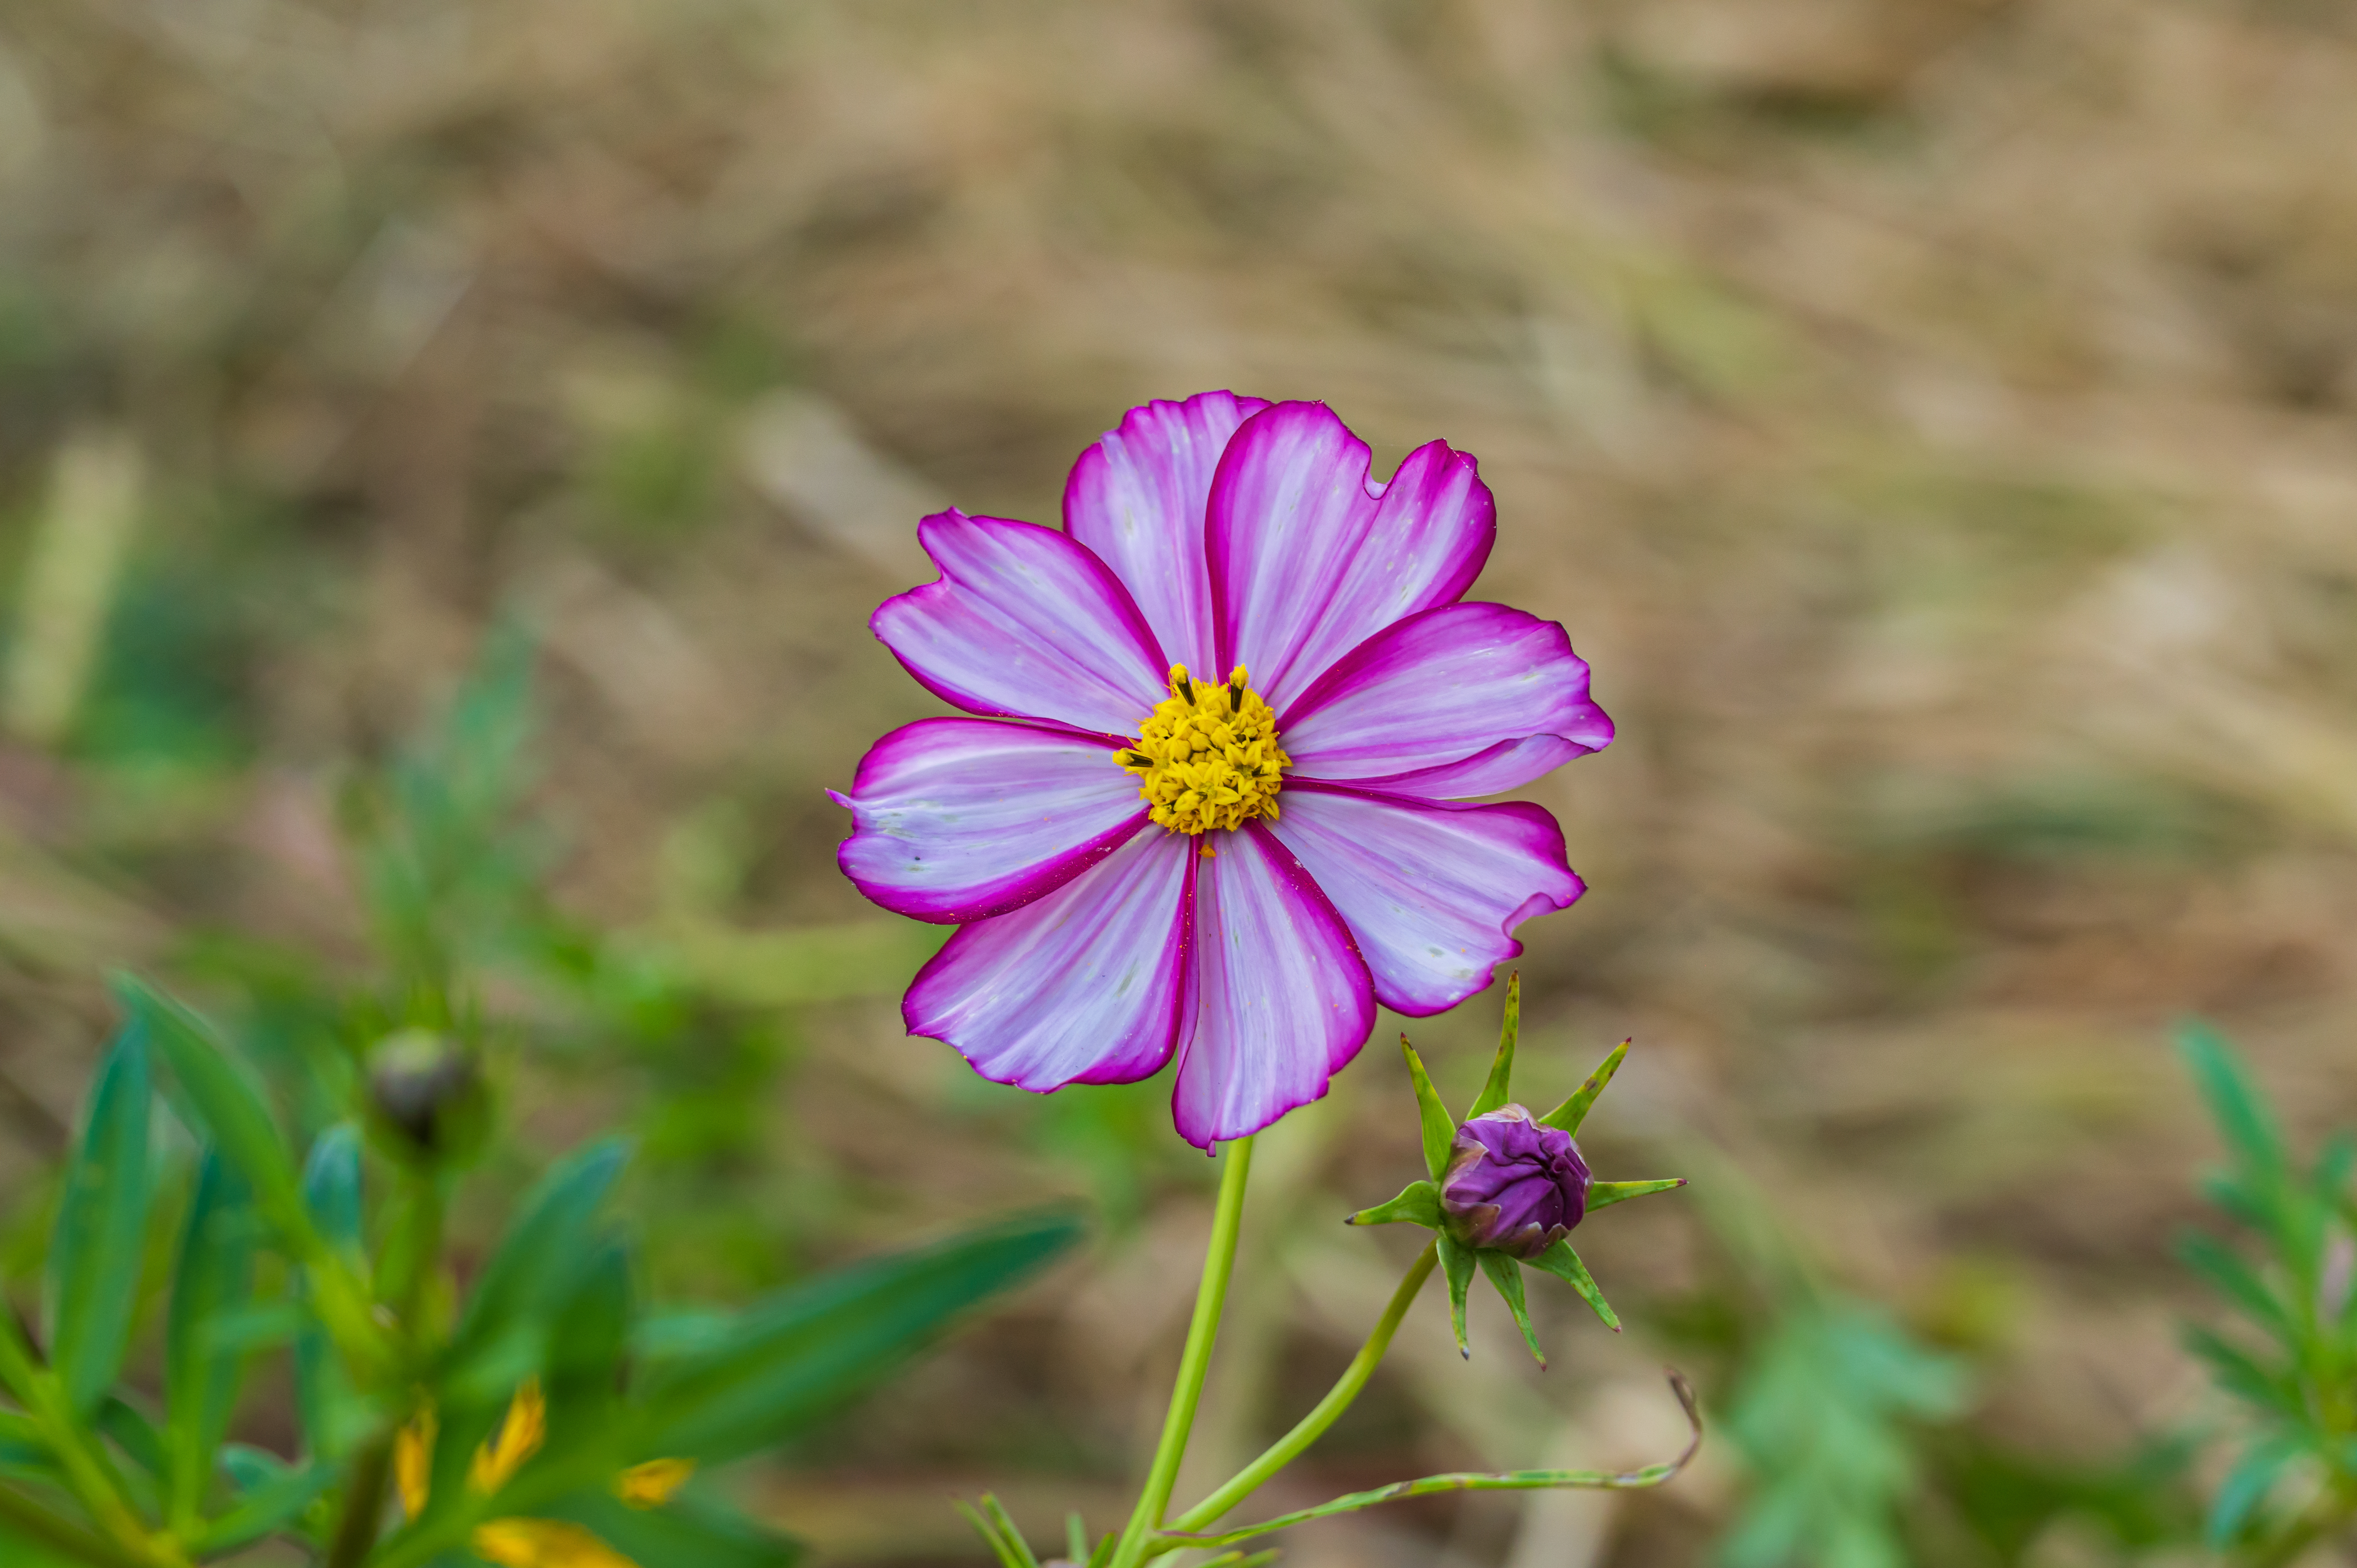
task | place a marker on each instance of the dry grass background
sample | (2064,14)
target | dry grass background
(1932,418)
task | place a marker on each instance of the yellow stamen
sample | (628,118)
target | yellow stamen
(1207,756)
(542,1544)
(521,1431)
(413,1462)
(650,1485)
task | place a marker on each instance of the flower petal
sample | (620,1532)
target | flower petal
(1310,558)
(1281,997)
(962,818)
(1440,688)
(1025,623)
(1430,890)
(1509,765)
(1083,985)
(1136,498)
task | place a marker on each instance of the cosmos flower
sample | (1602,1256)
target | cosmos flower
(1213,806)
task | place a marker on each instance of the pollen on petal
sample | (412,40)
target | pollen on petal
(1208,757)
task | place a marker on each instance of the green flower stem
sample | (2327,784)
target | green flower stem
(413,1253)
(91,1478)
(1194,1362)
(1311,1428)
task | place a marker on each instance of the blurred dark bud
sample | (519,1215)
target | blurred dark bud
(1514,1184)
(427,1098)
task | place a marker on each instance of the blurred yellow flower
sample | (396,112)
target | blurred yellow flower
(521,1431)
(543,1543)
(413,1460)
(650,1485)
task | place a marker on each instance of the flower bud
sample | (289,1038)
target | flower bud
(1514,1184)
(426,1094)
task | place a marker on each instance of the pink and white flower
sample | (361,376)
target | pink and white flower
(1145,859)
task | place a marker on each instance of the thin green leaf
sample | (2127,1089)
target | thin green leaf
(2243,1118)
(250,1468)
(97,1246)
(1507,1276)
(1499,1089)
(2247,1486)
(548,1246)
(687,1532)
(132,1433)
(214,1279)
(237,1123)
(1012,1536)
(1457,1265)
(265,1509)
(1564,1263)
(797,1355)
(1511,1480)
(1076,1540)
(1569,1115)
(1418,1205)
(999,1546)
(2239,1283)
(1439,1131)
(33,1537)
(2241,1375)
(1605,1194)
(324,1398)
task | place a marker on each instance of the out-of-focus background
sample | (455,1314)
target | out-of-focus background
(449,452)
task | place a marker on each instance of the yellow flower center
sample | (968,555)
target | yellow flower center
(1207,756)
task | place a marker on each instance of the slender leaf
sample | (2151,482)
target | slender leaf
(540,1261)
(1439,1131)
(270,1506)
(805,1350)
(132,1433)
(1457,1265)
(1507,1276)
(97,1246)
(1499,1089)
(2243,1118)
(1013,1537)
(323,1397)
(2240,1374)
(202,1373)
(1574,1110)
(2236,1280)
(1418,1205)
(1605,1194)
(1000,1547)
(1564,1263)
(2247,1486)
(1510,1480)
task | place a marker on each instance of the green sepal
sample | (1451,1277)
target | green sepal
(1501,1087)
(1506,1273)
(1457,1263)
(1564,1263)
(1419,1205)
(1439,1131)
(1605,1194)
(1569,1115)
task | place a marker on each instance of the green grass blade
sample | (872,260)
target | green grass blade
(99,1243)
(1499,1089)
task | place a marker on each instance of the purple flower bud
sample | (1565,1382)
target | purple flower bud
(1513,1185)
